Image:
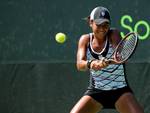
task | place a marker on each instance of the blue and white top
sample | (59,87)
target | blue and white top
(109,78)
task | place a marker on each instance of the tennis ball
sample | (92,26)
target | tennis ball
(60,37)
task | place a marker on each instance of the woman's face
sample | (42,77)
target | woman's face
(100,30)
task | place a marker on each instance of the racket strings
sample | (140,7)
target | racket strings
(126,48)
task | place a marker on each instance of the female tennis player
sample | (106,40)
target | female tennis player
(108,87)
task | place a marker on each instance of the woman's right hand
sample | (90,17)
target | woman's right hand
(98,64)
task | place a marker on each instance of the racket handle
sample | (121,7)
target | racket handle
(109,61)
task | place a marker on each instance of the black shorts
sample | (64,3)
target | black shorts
(107,98)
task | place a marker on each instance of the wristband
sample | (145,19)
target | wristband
(89,63)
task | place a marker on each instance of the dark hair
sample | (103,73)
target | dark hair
(87,19)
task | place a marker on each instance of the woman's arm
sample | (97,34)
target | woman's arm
(115,37)
(81,53)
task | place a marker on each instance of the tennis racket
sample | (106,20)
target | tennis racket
(124,49)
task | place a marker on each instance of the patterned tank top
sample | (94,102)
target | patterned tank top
(109,78)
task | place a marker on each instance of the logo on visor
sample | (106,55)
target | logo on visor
(103,14)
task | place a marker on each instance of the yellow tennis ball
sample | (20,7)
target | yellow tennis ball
(60,37)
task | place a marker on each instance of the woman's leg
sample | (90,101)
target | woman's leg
(128,104)
(86,105)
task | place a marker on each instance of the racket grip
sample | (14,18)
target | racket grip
(109,61)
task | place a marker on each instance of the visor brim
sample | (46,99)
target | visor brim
(100,21)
